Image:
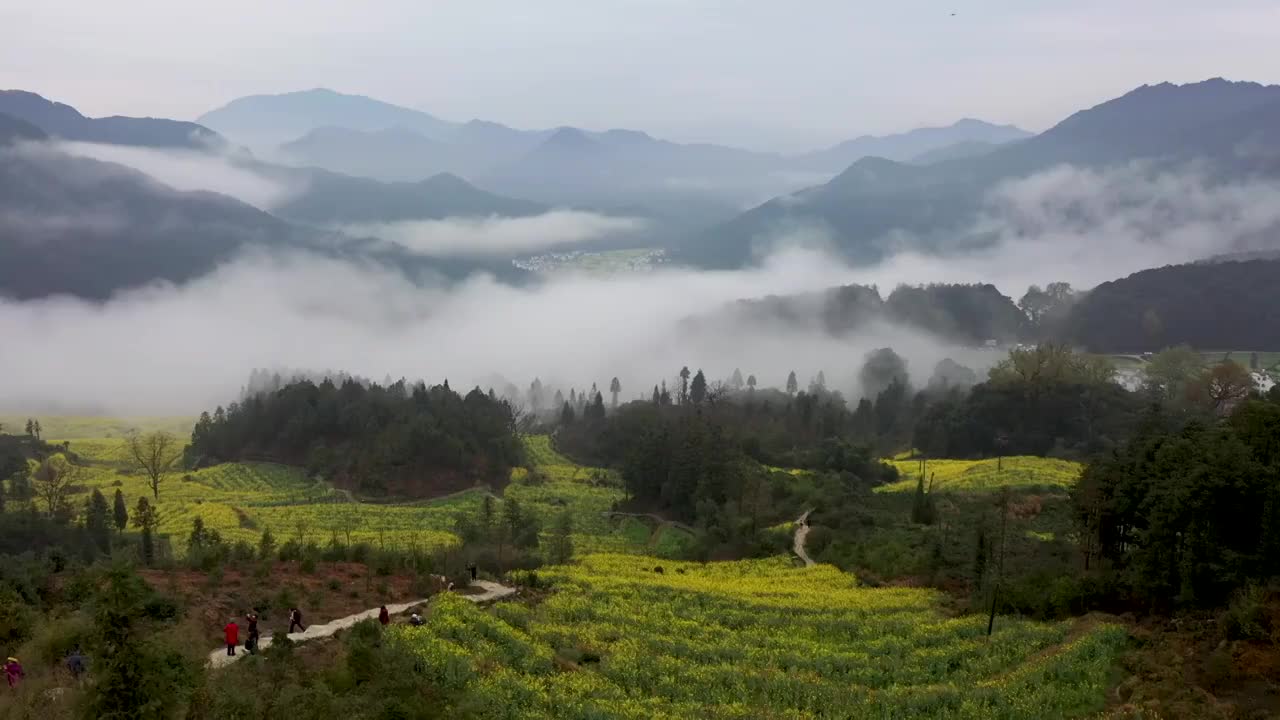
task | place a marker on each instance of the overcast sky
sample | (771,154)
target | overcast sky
(761,73)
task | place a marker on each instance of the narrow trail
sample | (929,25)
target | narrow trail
(657,518)
(492,591)
(802,532)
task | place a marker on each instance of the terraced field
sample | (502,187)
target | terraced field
(240,500)
(590,493)
(984,475)
(752,639)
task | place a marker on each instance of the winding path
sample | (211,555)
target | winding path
(492,591)
(802,531)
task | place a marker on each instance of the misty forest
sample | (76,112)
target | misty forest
(316,405)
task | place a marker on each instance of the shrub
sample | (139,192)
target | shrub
(1247,617)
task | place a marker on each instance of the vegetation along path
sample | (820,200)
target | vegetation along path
(802,531)
(492,591)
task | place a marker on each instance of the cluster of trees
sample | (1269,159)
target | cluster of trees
(379,440)
(1188,510)
(1038,401)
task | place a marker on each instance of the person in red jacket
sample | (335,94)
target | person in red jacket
(232,633)
(384,617)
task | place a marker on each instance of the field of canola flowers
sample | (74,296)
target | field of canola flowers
(751,639)
(983,475)
(240,500)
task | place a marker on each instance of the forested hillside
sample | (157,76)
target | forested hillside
(961,313)
(1225,305)
(396,440)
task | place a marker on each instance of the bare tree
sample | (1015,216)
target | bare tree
(154,454)
(54,481)
(349,520)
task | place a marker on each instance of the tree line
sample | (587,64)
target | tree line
(396,439)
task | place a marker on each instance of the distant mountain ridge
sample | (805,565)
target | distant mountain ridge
(273,119)
(909,145)
(65,122)
(689,185)
(869,208)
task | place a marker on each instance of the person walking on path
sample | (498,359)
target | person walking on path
(232,635)
(13,672)
(384,617)
(252,643)
(471,568)
(77,665)
(295,620)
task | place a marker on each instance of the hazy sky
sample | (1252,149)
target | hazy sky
(762,73)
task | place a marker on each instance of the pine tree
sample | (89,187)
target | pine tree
(698,390)
(735,380)
(567,415)
(792,385)
(657,399)
(751,383)
(96,521)
(684,385)
(120,512)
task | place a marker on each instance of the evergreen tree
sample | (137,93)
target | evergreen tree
(559,399)
(266,546)
(144,518)
(31,427)
(698,390)
(595,411)
(684,385)
(486,515)
(666,396)
(657,399)
(792,385)
(97,522)
(751,383)
(561,549)
(120,512)
(615,387)
(566,414)
(735,380)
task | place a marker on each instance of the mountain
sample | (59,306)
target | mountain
(400,153)
(268,120)
(65,122)
(909,145)
(71,225)
(13,129)
(683,185)
(1218,306)
(76,226)
(331,199)
(868,210)
(966,149)
(395,153)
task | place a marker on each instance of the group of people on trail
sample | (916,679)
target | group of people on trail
(384,617)
(231,632)
(77,664)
